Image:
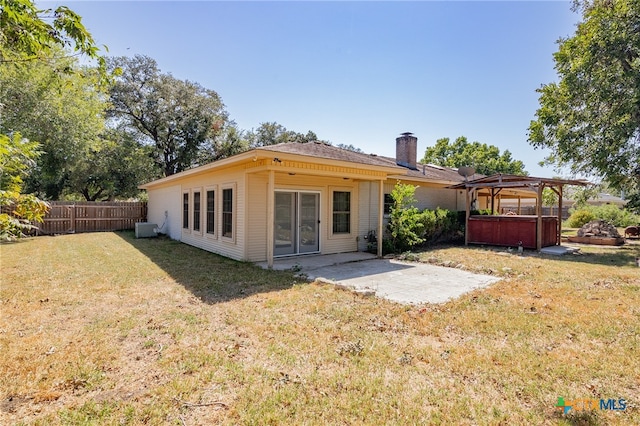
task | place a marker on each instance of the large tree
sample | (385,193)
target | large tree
(486,159)
(111,167)
(176,117)
(272,133)
(590,118)
(229,141)
(63,111)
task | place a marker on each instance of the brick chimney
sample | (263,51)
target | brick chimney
(406,150)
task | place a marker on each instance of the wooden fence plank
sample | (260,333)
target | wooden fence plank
(65,217)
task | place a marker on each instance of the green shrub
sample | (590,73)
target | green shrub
(441,224)
(615,215)
(609,212)
(579,218)
(406,225)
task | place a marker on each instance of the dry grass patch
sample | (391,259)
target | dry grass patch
(106,329)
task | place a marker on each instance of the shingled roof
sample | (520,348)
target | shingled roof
(323,150)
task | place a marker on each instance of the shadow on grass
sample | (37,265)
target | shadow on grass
(611,256)
(606,255)
(210,277)
(581,418)
(619,256)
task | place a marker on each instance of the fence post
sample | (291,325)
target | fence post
(73,218)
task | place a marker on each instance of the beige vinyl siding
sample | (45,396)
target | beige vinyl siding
(256,218)
(169,199)
(341,243)
(368,204)
(250,210)
(431,197)
(229,247)
(329,243)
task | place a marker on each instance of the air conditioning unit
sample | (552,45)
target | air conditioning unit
(146,230)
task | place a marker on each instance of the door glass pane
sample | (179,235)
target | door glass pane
(309,223)
(284,223)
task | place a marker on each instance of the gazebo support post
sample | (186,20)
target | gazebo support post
(467,214)
(493,210)
(559,192)
(539,214)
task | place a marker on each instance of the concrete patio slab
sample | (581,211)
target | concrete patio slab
(401,282)
(407,283)
(559,250)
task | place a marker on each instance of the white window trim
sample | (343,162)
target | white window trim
(234,212)
(186,230)
(352,213)
(216,222)
(191,213)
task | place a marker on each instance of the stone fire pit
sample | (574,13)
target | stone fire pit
(598,232)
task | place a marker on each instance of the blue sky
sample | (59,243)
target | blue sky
(356,73)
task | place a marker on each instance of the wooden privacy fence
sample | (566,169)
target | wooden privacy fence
(531,210)
(65,217)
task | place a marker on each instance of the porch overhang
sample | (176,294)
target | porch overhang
(277,164)
(298,164)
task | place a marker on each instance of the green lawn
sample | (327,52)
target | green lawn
(106,329)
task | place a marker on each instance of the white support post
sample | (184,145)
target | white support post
(380,216)
(270,218)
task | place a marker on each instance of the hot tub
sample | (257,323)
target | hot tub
(507,230)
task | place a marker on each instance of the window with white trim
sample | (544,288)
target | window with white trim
(227,212)
(211,212)
(185,210)
(341,212)
(196,211)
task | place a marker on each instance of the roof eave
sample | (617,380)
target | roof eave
(200,169)
(259,153)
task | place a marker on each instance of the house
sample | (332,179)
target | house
(528,205)
(293,199)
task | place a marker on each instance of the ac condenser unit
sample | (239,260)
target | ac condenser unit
(146,230)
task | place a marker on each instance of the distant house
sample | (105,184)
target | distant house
(293,199)
(528,205)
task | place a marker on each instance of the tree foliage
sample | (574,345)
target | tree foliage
(608,212)
(350,147)
(177,117)
(20,211)
(28,33)
(229,141)
(590,119)
(112,167)
(486,159)
(27,36)
(64,112)
(17,157)
(272,133)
